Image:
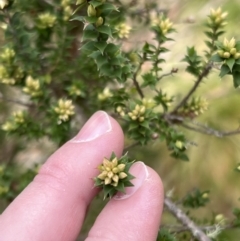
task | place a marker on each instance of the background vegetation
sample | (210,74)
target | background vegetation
(208,182)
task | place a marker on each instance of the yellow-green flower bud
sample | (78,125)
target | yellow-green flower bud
(115,178)
(110,174)
(233,51)
(99,22)
(220,53)
(122,175)
(179,144)
(121,167)
(107,181)
(237,55)
(102,175)
(141,119)
(91,11)
(226,55)
(205,195)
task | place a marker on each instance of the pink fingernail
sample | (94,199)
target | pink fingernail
(140,172)
(98,125)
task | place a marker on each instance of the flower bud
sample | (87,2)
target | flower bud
(122,175)
(99,22)
(121,167)
(141,119)
(179,144)
(91,11)
(220,53)
(233,51)
(237,55)
(226,55)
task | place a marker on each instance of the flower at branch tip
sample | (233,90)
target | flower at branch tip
(19,117)
(7,54)
(218,17)
(74,91)
(123,30)
(3,4)
(163,23)
(32,87)
(8,126)
(148,103)
(220,219)
(64,109)
(105,94)
(46,20)
(137,113)
(114,175)
(228,49)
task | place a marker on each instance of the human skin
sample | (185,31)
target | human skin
(53,206)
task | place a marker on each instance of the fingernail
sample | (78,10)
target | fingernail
(140,172)
(98,125)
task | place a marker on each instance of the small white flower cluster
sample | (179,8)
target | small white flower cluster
(64,109)
(46,20)
(111,172)
(163,23)
(123,30)
(32,87)
(218,17)
(105,94)
(229,49)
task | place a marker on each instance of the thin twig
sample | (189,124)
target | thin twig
(167,74)
(186,221)
(130,146)
(210,131)
(193,89)
(139,90)
(198,127)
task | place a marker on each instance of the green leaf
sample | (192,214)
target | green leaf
(216,58)
(230,62)
(105,29)
(95,3)
(101,46)
(236,79)
(79,18)
(237,46)
(89,34)
(112,49)
(100,61)
(91,19)
(88,47)
(107,8)
(224,70)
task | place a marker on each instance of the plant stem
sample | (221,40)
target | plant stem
(186,221)
(204,73)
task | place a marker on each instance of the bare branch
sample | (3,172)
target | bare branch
(130,146)
(198,127)
(139,90)
(186,221)
(195,86)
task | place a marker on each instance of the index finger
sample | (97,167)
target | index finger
(53,206)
